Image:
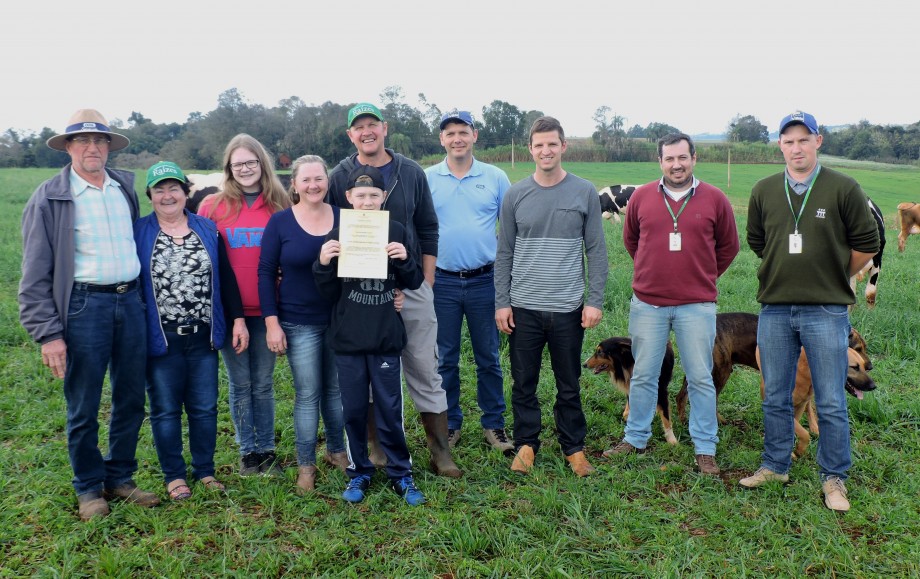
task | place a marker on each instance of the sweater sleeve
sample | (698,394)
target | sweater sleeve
(727,242)
(229,288)
(326,276)
(504,255)
(756,236)
(595,252)
(408,271)
(269,259)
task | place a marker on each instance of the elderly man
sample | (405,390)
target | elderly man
(79,299)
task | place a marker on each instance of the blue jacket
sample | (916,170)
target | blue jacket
(145,234)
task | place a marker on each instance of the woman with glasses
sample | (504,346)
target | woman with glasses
(297,316)
(251,194)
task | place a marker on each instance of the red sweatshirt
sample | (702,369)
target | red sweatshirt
(709,243)
(242,235)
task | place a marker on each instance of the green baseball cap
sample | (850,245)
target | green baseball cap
(162,171)
(363,109)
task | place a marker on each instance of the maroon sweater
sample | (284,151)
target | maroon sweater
(709,243)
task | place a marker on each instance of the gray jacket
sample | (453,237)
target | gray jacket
(48,253)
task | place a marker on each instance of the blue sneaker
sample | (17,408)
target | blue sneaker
(354,492)
(405,487)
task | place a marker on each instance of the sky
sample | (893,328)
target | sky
(692,65)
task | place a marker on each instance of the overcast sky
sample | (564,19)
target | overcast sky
(693,65)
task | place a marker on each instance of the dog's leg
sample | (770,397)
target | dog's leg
(626,410)
(812,415)
(667,426)
(802,438)
(681,401)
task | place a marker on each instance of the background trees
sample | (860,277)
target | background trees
(293,128)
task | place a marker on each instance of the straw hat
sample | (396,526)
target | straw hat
(87,121)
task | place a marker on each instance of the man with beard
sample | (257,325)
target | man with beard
(682,236)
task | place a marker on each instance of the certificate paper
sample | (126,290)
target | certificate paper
(363,236)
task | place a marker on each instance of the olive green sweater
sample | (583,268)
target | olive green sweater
(835,220)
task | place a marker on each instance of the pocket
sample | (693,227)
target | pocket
(78,304)
(834,309)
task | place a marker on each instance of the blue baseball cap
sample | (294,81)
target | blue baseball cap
(459,116)
(799,118)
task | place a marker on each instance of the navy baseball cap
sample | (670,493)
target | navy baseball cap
(799,118)
(462,116)
(365,176)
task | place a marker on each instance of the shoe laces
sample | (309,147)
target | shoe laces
(407,485)
(500,435)
(357,483)
(835,484)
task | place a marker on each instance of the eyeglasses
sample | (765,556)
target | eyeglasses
(84,141)
(251,164)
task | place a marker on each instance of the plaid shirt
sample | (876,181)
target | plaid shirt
(103,233)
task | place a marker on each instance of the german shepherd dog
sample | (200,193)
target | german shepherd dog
(736,343)
(858,382)
(614,356)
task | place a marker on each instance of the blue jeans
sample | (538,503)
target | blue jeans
(185,377)
(823,331)
(694,328)
(316,388)
(105,331)
(454,298)
(252,396)
(563,333)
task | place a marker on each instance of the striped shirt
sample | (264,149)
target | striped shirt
(544,237)
(103,233)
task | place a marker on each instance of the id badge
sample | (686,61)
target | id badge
(795,243)
(674,241)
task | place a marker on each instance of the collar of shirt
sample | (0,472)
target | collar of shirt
(800,187)
(78,184)
(677,196)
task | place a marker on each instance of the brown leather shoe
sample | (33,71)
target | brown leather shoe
(306,478)
(622,447)
(580,464)
(523,460)
(707,464)
(92,505)
(337,459)
(835,495)
(129,493)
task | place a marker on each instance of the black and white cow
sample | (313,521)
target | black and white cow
(875,266)
(202,185)
(614,200)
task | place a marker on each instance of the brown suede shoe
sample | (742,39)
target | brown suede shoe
(707,464)
(622,447)
(129,493)
(306,479)
(337,459)
(580,464)
(523,460)
(92,505)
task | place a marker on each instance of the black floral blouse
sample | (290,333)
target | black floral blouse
(181,279)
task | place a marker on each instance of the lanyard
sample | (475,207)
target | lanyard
(682,207)
(804,201)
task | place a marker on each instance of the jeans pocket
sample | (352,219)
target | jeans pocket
(834,309)
(78,304)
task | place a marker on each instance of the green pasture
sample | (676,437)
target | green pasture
(639,516)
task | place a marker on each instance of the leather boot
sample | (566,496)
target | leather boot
(436,432)
(306,479)
(374,452)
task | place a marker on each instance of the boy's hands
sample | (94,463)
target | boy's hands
(330,249)
(396,250)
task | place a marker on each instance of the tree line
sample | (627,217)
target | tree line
(293,128)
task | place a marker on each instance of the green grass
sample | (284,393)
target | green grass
(648,515)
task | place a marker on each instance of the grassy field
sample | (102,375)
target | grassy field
(648,515)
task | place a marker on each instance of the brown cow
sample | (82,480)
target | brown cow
(909,221)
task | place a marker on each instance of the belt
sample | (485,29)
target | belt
(112,288)
(466,273)
(184,329)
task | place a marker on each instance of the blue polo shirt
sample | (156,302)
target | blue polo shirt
(467,211)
